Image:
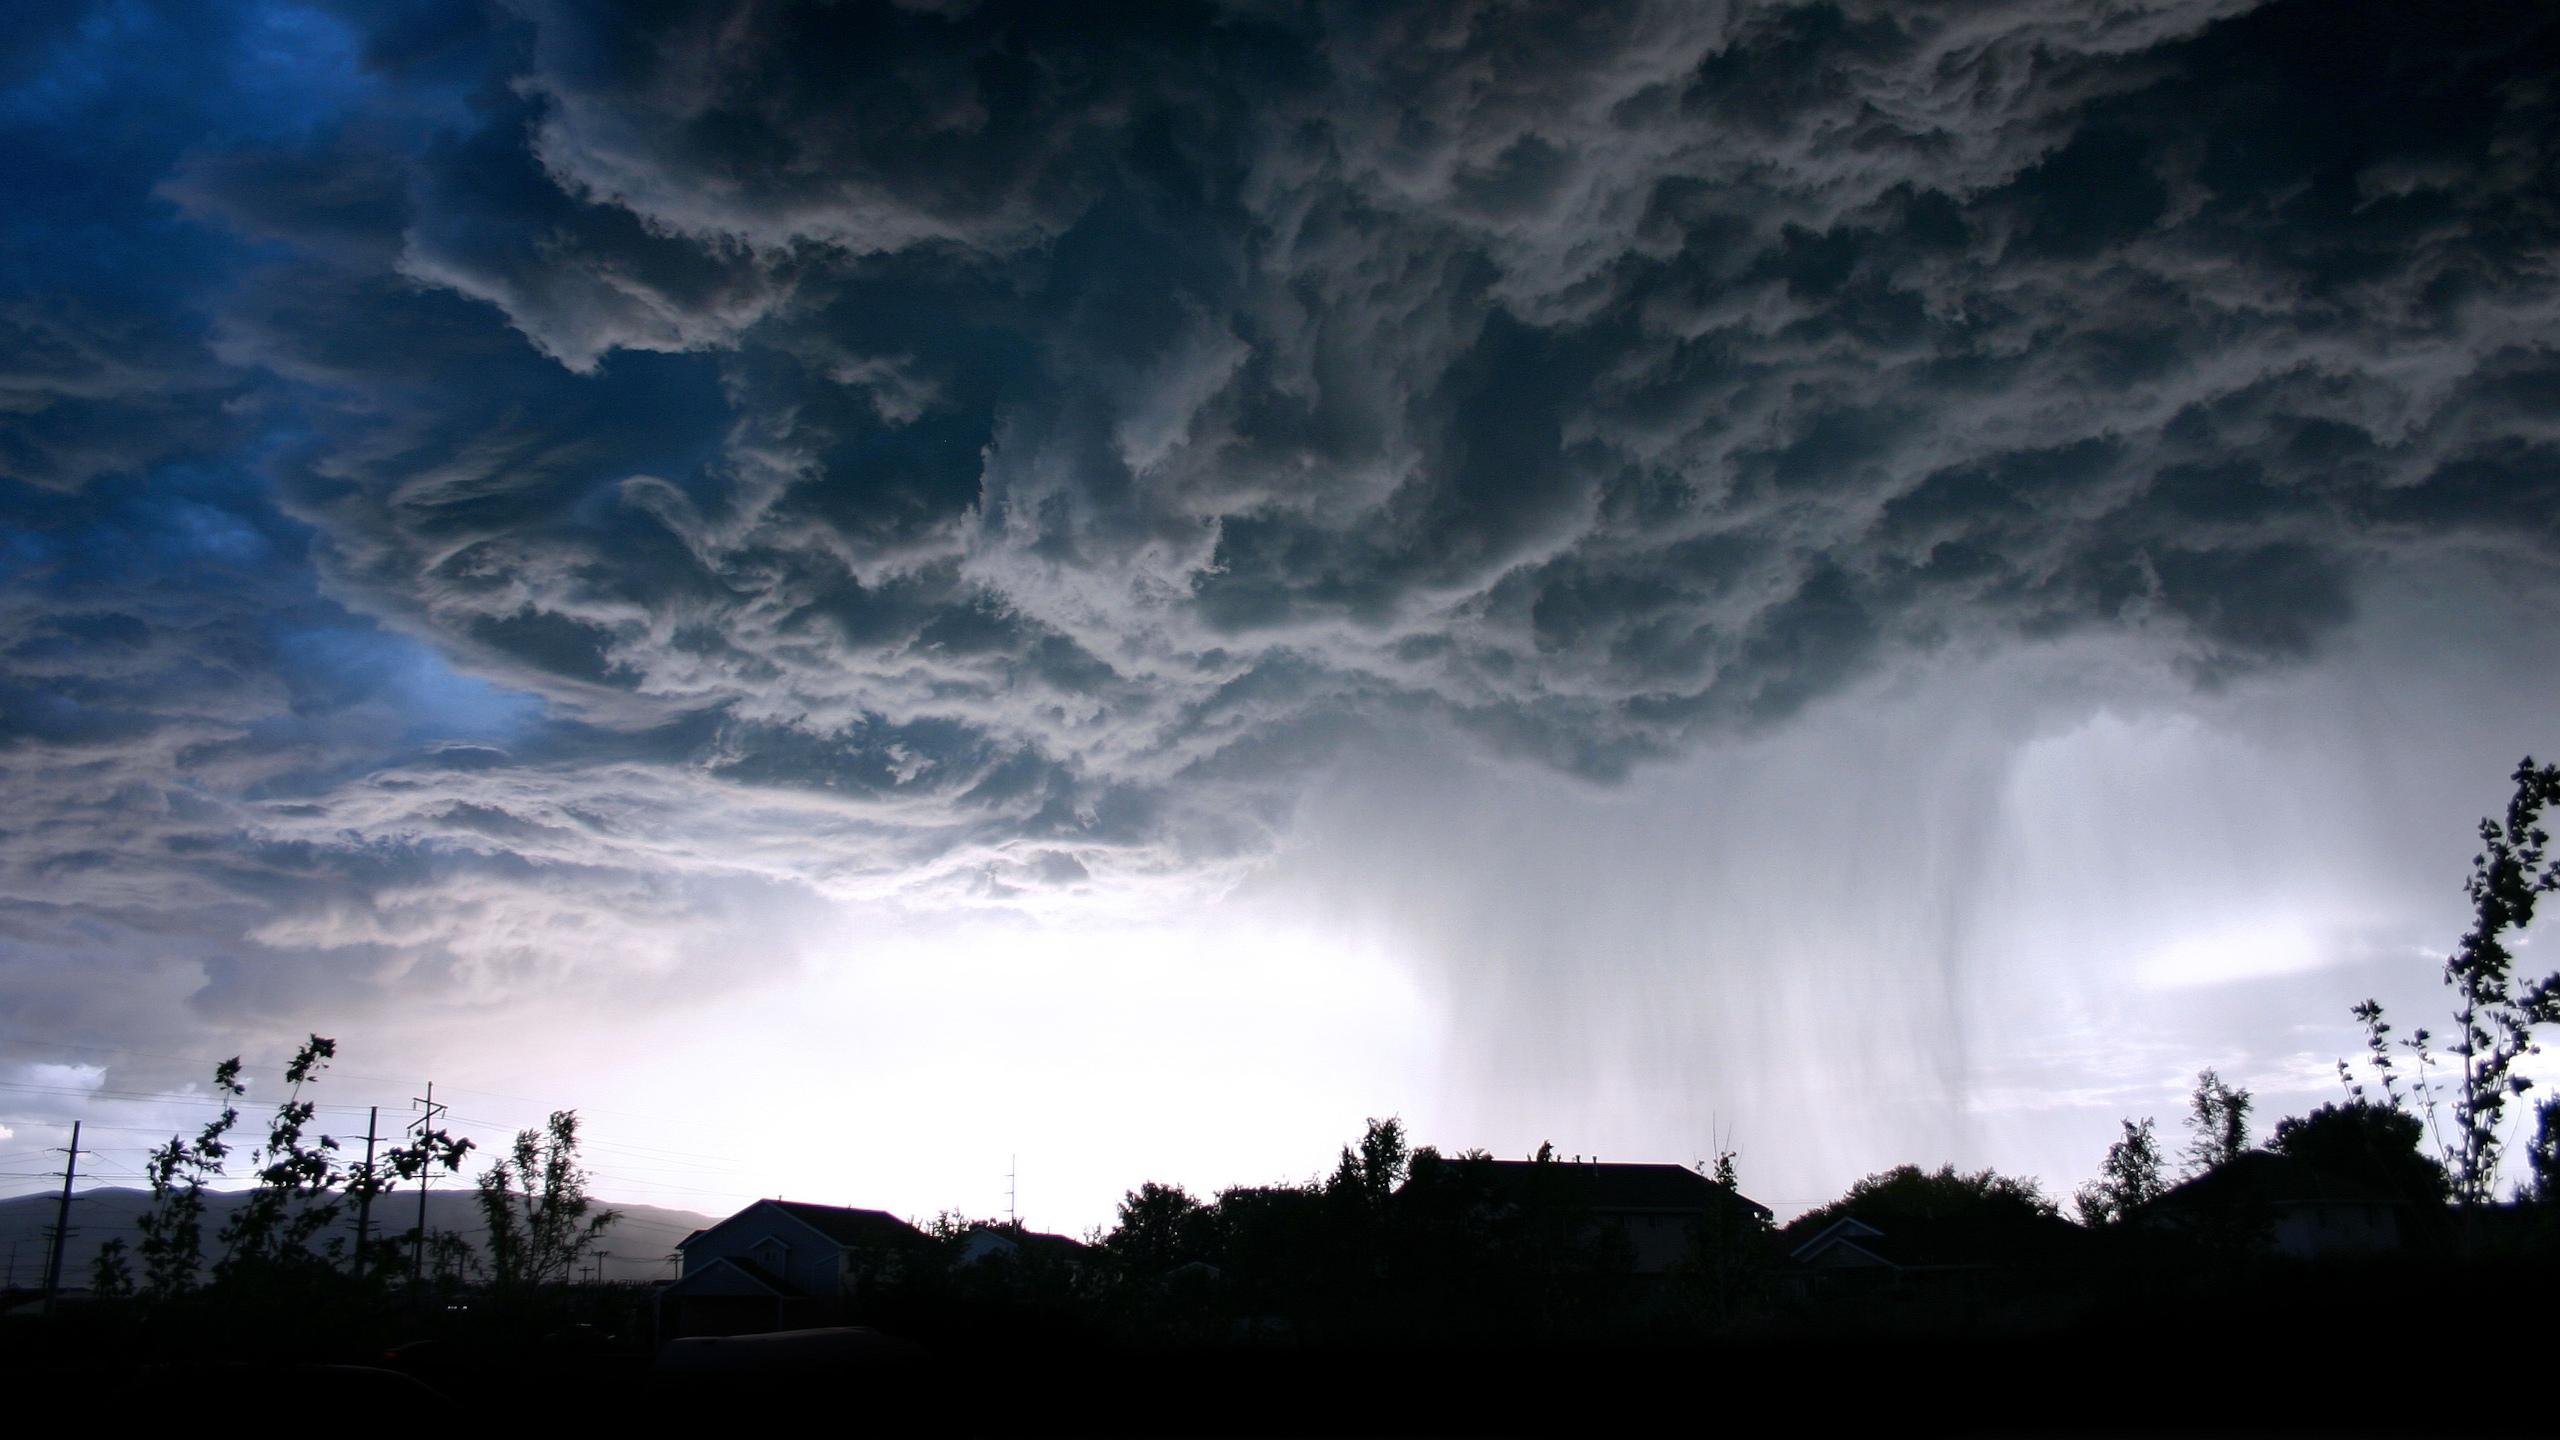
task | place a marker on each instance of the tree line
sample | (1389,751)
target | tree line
(2407,1098)
(280,1252)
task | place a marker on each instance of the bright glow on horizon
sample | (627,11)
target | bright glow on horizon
(906,1073)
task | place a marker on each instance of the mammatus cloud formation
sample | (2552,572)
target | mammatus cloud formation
(492,489)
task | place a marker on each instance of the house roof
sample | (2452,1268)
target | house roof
(1913,1242)
(730,1275)
(987,1240)
(2262,1177)
(1847,1232)
(1670,1189)
(846,1225)
(839,1223)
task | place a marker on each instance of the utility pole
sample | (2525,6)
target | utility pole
(425,1122)
(1012,1187)
(62,1222)
(364,1197)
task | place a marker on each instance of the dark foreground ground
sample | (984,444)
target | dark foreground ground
(2394,1351)
(2228,1385)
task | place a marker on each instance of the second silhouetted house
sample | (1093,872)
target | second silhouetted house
(781,1265)
(2277,1203)
(1663,1214)
(1937,1245)
(1013,1244)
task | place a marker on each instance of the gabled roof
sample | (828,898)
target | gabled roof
(848,1226)
(1663,1189)
(840,1224)
(1848,1232)
(729,1275)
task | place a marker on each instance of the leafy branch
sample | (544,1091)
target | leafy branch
(2496,1017)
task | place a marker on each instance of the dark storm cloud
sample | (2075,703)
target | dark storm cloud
(85,395)
(972,450)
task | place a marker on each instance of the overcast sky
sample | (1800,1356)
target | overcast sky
(871,595)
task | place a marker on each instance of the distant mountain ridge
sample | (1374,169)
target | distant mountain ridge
(638,1246)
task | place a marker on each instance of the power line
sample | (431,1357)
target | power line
(465,1123)
(650,1161)
(592,1143)
(681,1160)
(156,1097)
(677,1159)
(20,1036)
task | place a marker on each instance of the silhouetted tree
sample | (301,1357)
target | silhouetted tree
(1445,1222)
(2508,877)
(1730,1248)
(1909,1192)
(1356,1201)
(450,1261)
(1276,1243)
(950,1229)
(275,1231)
(294,1200)
(441,1256)
(2542,1157)
(2128,1179)
(1373,1172)
(2217,1122)
(428,1150)
(2495,1016)
(275,1224)
(535,1202)
(170,1229)
(2372,1144)
(1726,1176)
(111,1270)
(1028,1282)
(1160,1227)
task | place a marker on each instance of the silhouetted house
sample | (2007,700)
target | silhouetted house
(1935,1270)
(2265,1201)
(1003,1244)
(1904,1246)
(783,1265)
(1661,1214)
(1847,1243)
